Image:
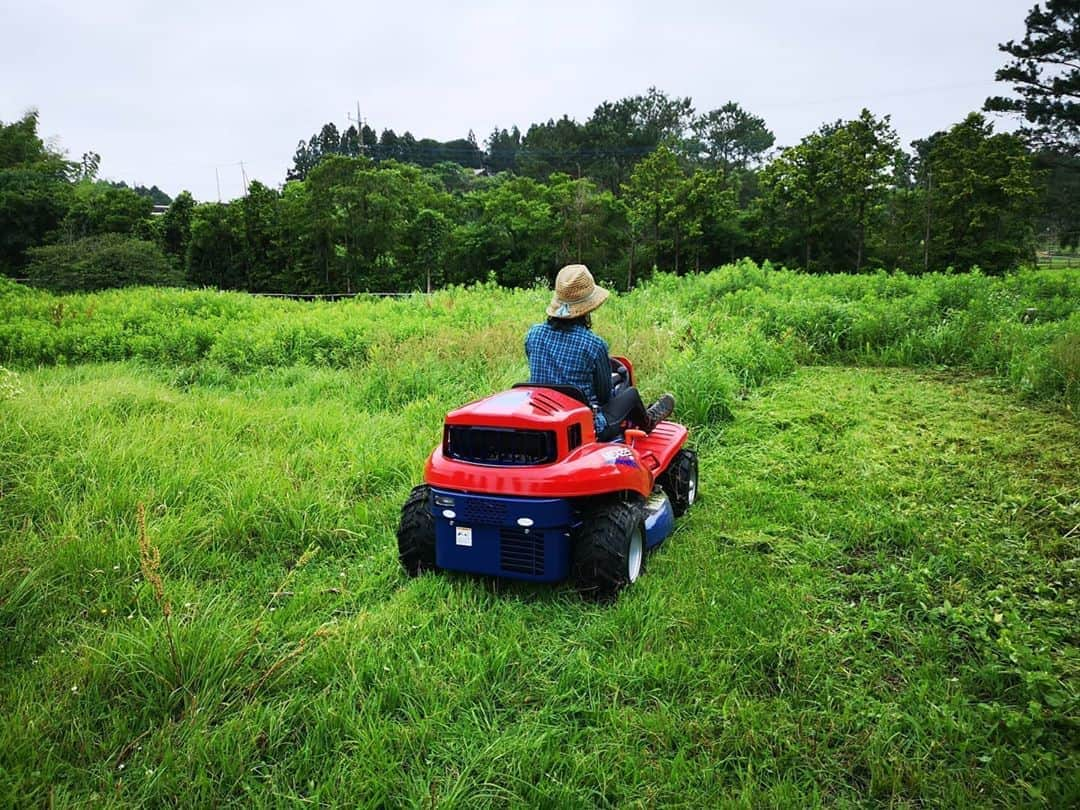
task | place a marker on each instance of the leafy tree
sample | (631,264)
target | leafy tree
(176,228)
(789,212)
(982,198)
(713,229)
(350,142)
(306,158)
(575,211)
(301,272)
(389,146)
(1045,74)
(463,151)
(453,177)
(21,147)
(427,237)
(154,194)
(620,134)
(821,198)
(502,150)
(368,140)
(556,146)
(32,205)
(730,137)
(867,149)
(89,165)
(512,232)
(1059,206)
(408,148)
(330,139)
(360,213)
(34,191)
(216,250)
(263,257)
(99,262)
(99,208)
(654,196)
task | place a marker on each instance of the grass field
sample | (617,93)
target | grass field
(874,602)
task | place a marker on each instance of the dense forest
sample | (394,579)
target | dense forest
(646,183)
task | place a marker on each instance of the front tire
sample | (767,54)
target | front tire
(416,533)
(609,549)
(680,481)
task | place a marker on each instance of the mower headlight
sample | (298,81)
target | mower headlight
(444,500)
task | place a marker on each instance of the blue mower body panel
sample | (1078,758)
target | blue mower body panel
(516,537)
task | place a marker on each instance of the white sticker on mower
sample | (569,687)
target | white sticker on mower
(463,536)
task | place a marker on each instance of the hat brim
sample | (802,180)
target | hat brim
(558,308)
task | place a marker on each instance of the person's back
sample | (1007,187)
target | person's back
(569,354)
(565,351)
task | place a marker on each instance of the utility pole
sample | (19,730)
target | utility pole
(359,129)
(217,177)
(243,174)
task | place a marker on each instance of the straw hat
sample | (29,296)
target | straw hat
(575,293)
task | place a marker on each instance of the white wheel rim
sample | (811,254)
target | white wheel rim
(637,550)
(691,490)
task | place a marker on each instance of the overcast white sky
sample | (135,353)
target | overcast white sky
(166,92)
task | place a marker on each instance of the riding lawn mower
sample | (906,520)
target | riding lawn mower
(520,488)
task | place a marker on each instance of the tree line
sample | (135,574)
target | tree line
(646,183)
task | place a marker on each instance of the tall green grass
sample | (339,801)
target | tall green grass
(754,321)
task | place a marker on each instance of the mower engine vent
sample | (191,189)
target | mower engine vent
(499,446)
(483,511)
(543,403)
(521,552)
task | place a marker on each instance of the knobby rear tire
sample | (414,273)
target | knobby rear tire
(416,533)
(602,554)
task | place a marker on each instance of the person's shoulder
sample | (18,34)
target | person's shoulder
(538,331)
(595,341)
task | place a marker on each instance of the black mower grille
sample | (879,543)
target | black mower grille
(521,552)
(499,446)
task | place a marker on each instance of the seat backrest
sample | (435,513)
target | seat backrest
(571,391)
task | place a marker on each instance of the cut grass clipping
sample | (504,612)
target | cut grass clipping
(874,601)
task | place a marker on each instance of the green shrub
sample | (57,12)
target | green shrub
(98,263)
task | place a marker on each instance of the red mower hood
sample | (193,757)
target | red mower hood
(550,426)
(540,408)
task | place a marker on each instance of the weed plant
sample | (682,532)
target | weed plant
(873,603)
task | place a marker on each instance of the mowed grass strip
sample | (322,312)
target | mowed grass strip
(874,601)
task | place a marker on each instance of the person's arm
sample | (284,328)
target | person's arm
(602,374)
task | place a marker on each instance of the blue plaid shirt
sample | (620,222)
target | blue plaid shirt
(575,356)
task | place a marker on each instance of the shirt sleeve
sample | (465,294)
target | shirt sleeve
(530,338)
(528,344)
(602,373)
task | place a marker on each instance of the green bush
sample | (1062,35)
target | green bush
(98,263)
